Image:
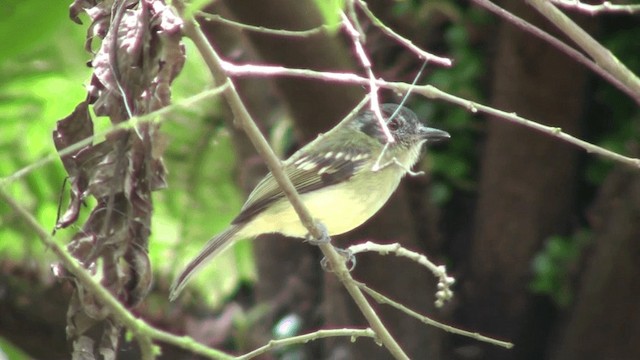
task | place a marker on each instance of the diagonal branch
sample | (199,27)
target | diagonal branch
(139,328)
(599,53)
(356,39)
(305,338)
(380,298)
(556,132)
(553,41)
(215,64)
(442,61)
(593,10)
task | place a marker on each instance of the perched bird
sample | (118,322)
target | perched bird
(343,177)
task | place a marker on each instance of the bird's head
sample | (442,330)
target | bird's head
(403,124)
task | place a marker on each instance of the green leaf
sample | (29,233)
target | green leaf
(551,266)
(330,10)
(8,351)
(196,5)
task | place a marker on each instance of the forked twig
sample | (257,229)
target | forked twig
(303,339)
(380,298)
(445,281)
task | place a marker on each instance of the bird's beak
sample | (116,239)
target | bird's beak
(433,135)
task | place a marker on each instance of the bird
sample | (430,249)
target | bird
(343,177)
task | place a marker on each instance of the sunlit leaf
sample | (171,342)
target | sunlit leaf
(330,10)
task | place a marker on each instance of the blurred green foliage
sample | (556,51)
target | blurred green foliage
(202,197)
(554,266)
(10,352)
(42,73)
(42,77)
(330,10)
(41,80)
(24,15)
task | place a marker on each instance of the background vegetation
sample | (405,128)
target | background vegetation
(542,237)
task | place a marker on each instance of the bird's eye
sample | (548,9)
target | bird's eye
(394,124)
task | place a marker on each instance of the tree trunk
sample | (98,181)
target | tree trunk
(604,322)
(526,188)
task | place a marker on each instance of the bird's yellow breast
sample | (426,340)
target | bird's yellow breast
(340,208)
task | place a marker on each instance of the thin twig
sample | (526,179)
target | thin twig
(605,7)
(555,42)
(241,114)
(322,29)
(146,347)
(303,339)
(387,30)
(599,53)
(366,63)
(269,70)
(138,327)
(431,92)
(445,282)
(556,132)
(474,335)
(156,116)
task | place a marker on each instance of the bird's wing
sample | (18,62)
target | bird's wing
(308,172)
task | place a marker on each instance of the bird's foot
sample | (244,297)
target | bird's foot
(324,237)
(350,260)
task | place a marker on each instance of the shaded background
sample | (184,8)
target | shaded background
(542,239)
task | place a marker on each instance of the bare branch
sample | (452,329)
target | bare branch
(140,329)
(603,57)
(434,93)
(407,43)
(366,63)
(568,50)
(605,7)
(474,335)
(444,293)
(322,29)
(303,339)
(431,92)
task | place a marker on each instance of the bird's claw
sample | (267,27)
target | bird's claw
(347,254)
(324,238)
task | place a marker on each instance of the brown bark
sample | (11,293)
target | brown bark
(604,322)
(526,187)
(32,312)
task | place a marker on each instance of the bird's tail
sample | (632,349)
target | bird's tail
(211,249)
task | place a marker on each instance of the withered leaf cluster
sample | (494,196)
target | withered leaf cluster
(139,55)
